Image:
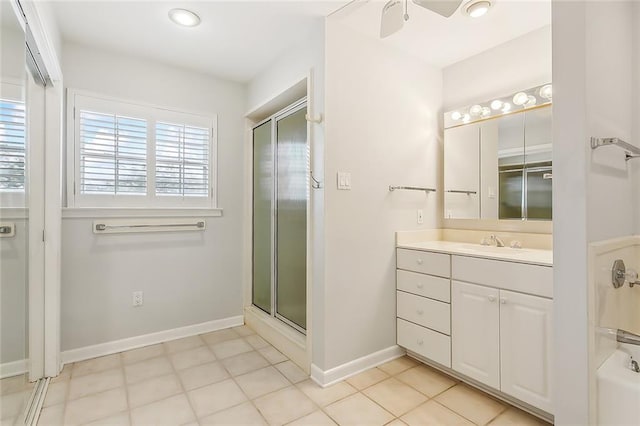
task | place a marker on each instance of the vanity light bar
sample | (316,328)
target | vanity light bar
(520,101)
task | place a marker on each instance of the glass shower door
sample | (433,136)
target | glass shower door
(280,197)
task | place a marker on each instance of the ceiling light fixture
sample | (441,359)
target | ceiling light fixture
(184,17)
(477,8)
(520,98)
(546,91)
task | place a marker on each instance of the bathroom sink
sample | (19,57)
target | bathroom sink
(492,249)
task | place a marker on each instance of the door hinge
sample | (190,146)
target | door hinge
(43,235)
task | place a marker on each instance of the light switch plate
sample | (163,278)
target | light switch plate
(344,181)
(420,217)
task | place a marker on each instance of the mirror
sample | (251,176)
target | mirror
(500,168)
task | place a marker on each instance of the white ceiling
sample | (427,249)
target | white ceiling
(236,39)
(444,41)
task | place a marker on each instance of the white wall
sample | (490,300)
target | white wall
(592,78)
(383,126)
(187,278)
(518,64)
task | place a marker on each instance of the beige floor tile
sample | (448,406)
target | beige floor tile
(398,365)
(358,410)
(65,374)
(13,404)
(325,396)
(52,416)
(183,344)
(95,407)
(284,406)
(147,369)
(56,393)
(516,417)
(260,382)
(192,357)
(95,365)
(317,418)
(202,375)
(394,396)
(433,414)
(471,404)
(230,348)
(426,380)
(272,355)
(396,422)
(244,363)
(292,372)
(216,397)
(220,336)
(367,378)
(244,330)
(14,421)
(140,354)
(171,411)
(243,414)
(13,384)
(120,419)
(256,341)
(153,390)
(95,383)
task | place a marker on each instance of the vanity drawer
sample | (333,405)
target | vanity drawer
(426,312)
(424,285)
(428,343)
(521,277)
(424,262)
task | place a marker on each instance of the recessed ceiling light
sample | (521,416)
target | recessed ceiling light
(477,8)
(184,17)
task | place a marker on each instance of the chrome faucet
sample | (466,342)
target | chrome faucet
(496,240)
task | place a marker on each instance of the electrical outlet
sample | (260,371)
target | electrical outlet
(138,299)
(420,217)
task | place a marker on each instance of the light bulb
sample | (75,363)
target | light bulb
(520,98)
(455,115)
(496,105)
(486,111)
(475,110)
(184,17)
(506,107)
(546,92)
(466,118)
(531,101)
(476,8)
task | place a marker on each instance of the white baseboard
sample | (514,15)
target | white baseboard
(351,368)
(108,348)
(14,368)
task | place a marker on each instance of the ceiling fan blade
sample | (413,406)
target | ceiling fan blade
(392,18)
(441,7)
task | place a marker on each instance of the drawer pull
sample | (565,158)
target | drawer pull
(420,285)
(420,342)
(420,311)
(491,298)
(420,261)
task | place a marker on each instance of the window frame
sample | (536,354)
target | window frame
(14,90)
(78,100)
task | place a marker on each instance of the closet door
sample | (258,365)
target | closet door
(292,194)
(262,215)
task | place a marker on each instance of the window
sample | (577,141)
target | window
(128,155)
(13,150)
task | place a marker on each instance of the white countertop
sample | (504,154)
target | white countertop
(523,255)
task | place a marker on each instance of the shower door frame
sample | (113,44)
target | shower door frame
(283,113)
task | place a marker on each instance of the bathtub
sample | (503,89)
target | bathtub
(619,388)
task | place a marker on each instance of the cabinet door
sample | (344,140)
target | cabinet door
(462,172)
(525,348)
(475,328)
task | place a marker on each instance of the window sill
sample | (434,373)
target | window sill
(107,212)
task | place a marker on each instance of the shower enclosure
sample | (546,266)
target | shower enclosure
(280,199)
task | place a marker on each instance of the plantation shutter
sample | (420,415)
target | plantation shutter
(12,146)
(182,160)
(113,154)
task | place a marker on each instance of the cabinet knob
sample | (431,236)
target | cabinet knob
(420,341)
(503,300)
(420,311)
(491,298)
(420,285)
(420,261)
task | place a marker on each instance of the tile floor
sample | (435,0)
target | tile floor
(234,377)
(14,396)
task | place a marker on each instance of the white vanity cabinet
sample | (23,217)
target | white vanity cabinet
(499,332)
